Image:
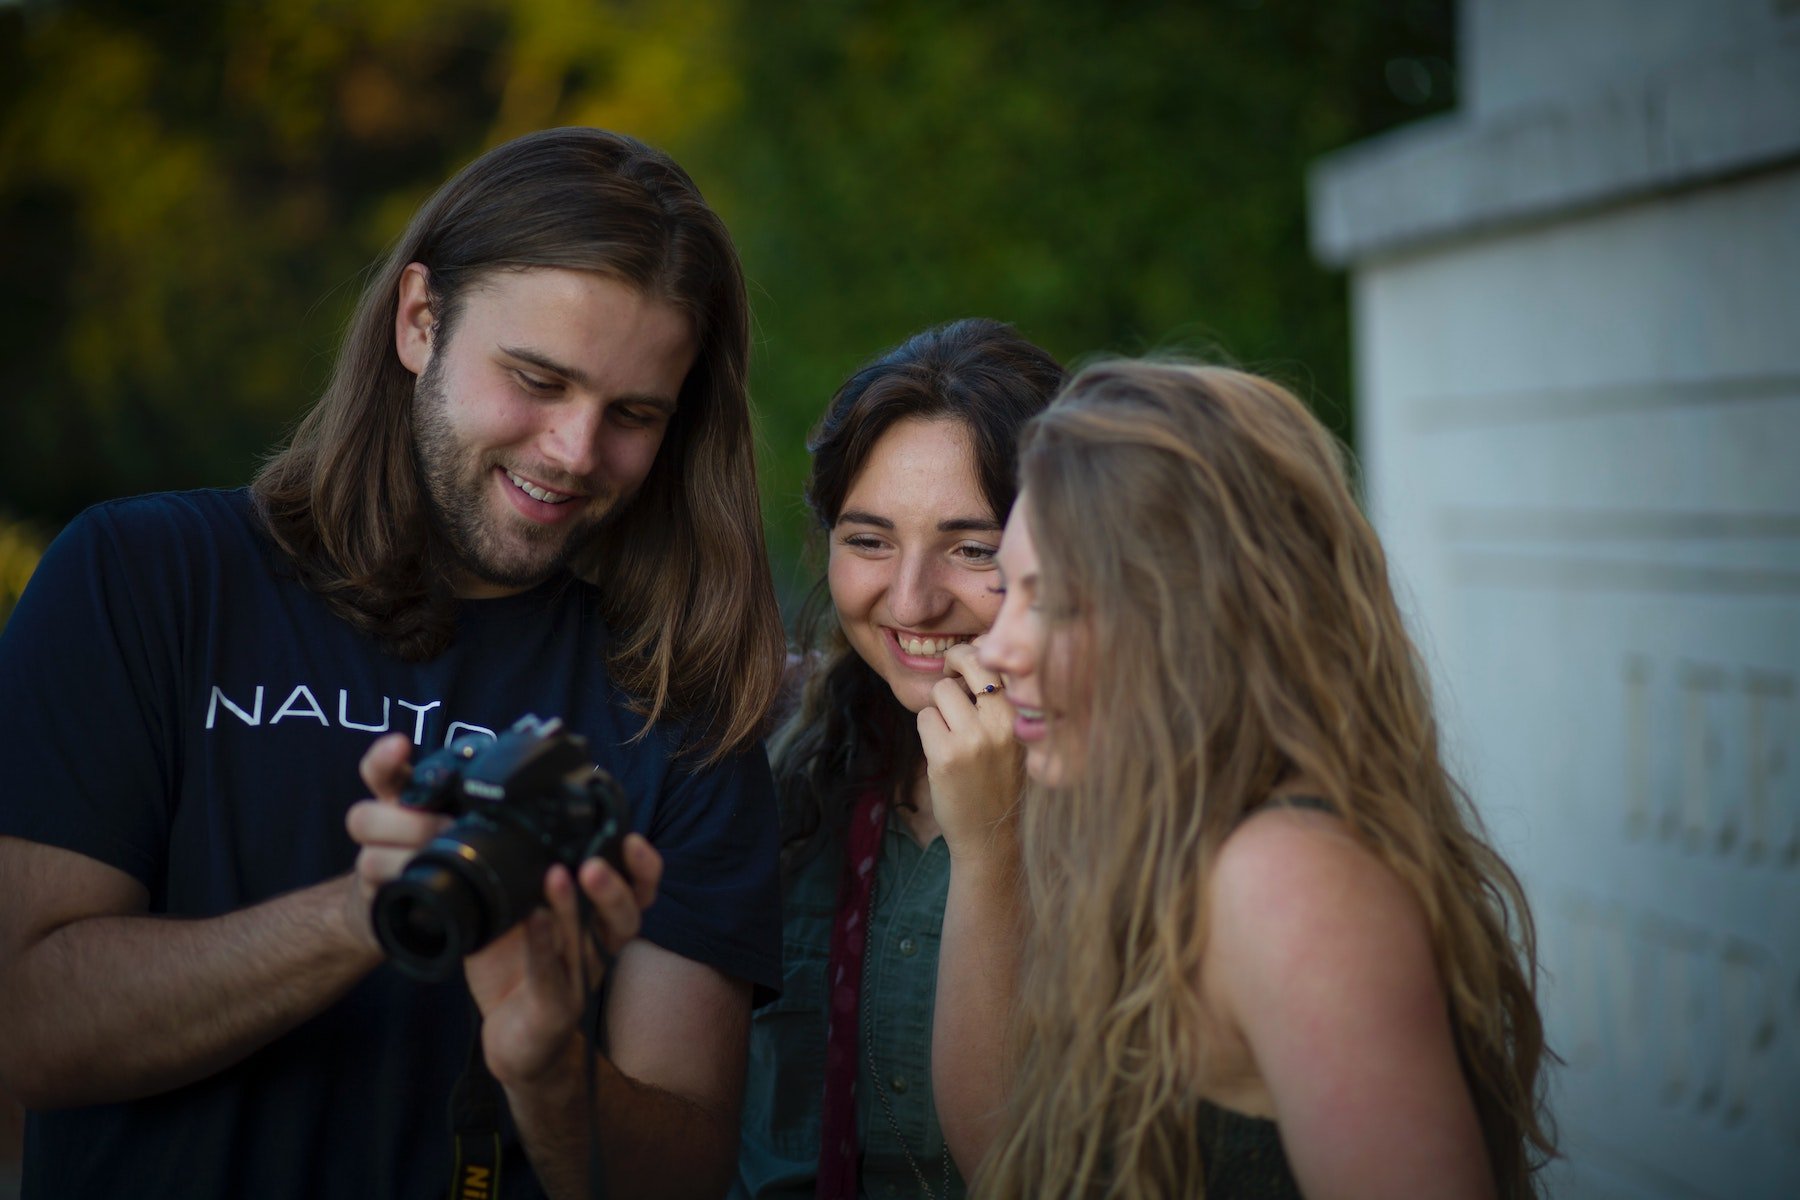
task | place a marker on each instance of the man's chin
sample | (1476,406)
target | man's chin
(487,570)
(483,578)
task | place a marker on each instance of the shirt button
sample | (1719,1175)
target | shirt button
(908,947)
(900,1084)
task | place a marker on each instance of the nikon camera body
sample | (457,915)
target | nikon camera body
(523,801)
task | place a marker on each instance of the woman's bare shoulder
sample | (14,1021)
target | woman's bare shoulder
(1294,896)
(1320,959)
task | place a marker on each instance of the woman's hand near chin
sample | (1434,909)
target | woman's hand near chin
(975,768)
(973,764)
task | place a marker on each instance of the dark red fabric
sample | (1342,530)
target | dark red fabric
(840,1166)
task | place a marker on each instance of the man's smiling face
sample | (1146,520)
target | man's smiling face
(541,415)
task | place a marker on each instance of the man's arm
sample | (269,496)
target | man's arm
(102,1002)
(667,1101)
(666,1098)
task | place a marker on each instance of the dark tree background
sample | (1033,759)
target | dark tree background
(189,192)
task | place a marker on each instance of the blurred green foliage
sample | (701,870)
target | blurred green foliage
(190,192)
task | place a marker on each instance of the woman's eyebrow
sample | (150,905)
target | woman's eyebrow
(947,525)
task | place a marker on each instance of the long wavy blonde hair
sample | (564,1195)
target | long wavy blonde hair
(1198,522)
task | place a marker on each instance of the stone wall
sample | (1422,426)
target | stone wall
(1577,308)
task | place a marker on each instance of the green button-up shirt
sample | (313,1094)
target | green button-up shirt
(896,1122)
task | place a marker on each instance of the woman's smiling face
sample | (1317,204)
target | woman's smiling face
(912,555)
(1029,649)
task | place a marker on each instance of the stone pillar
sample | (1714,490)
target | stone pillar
(1577,339)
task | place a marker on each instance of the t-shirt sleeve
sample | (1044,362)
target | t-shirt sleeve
(84,701)
(720,899)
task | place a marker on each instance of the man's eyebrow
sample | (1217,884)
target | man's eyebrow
(580,378)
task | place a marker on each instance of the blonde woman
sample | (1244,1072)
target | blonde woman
(1269,953)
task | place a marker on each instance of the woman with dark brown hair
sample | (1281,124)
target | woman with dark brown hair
(1269,952)
(912,479)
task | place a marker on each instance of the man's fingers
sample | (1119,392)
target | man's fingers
(379,823)
(646,867)
(615,908)
(387,765)
(377,865)
(559,894)
(545,943)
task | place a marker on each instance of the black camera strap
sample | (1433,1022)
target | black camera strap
(593,1022)
(475,1104)
(476,1101)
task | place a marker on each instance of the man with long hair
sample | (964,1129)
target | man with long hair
(528,488)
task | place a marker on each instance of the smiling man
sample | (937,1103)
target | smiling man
(543,419)
(528,488)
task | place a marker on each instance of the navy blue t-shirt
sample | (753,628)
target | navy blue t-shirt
(178,707)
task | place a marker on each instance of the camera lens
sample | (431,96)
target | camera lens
(463,890)
(427,919)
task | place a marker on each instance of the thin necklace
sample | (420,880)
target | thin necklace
(887,1106)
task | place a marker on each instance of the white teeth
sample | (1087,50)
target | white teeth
(927,647)
(1030,714)
(536,492)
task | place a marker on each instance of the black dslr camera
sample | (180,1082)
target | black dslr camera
(528,799)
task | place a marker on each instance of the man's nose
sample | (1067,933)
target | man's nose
(571,442)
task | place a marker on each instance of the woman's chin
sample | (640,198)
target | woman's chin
(914,695)
(1043,766)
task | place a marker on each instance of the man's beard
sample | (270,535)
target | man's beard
(508,553)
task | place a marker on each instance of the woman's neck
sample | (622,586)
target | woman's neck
(920,824)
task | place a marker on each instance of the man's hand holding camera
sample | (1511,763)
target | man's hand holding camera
(528,981)
(389,833)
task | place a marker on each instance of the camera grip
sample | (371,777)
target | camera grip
(612,822)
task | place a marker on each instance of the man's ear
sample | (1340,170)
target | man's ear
(414,322)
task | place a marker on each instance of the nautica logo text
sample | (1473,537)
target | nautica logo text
(302,705)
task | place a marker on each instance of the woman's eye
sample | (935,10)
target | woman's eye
(975,552)
(862,541)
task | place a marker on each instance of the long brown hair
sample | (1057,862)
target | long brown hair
(1199,524)
(682,574)
(850,734)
